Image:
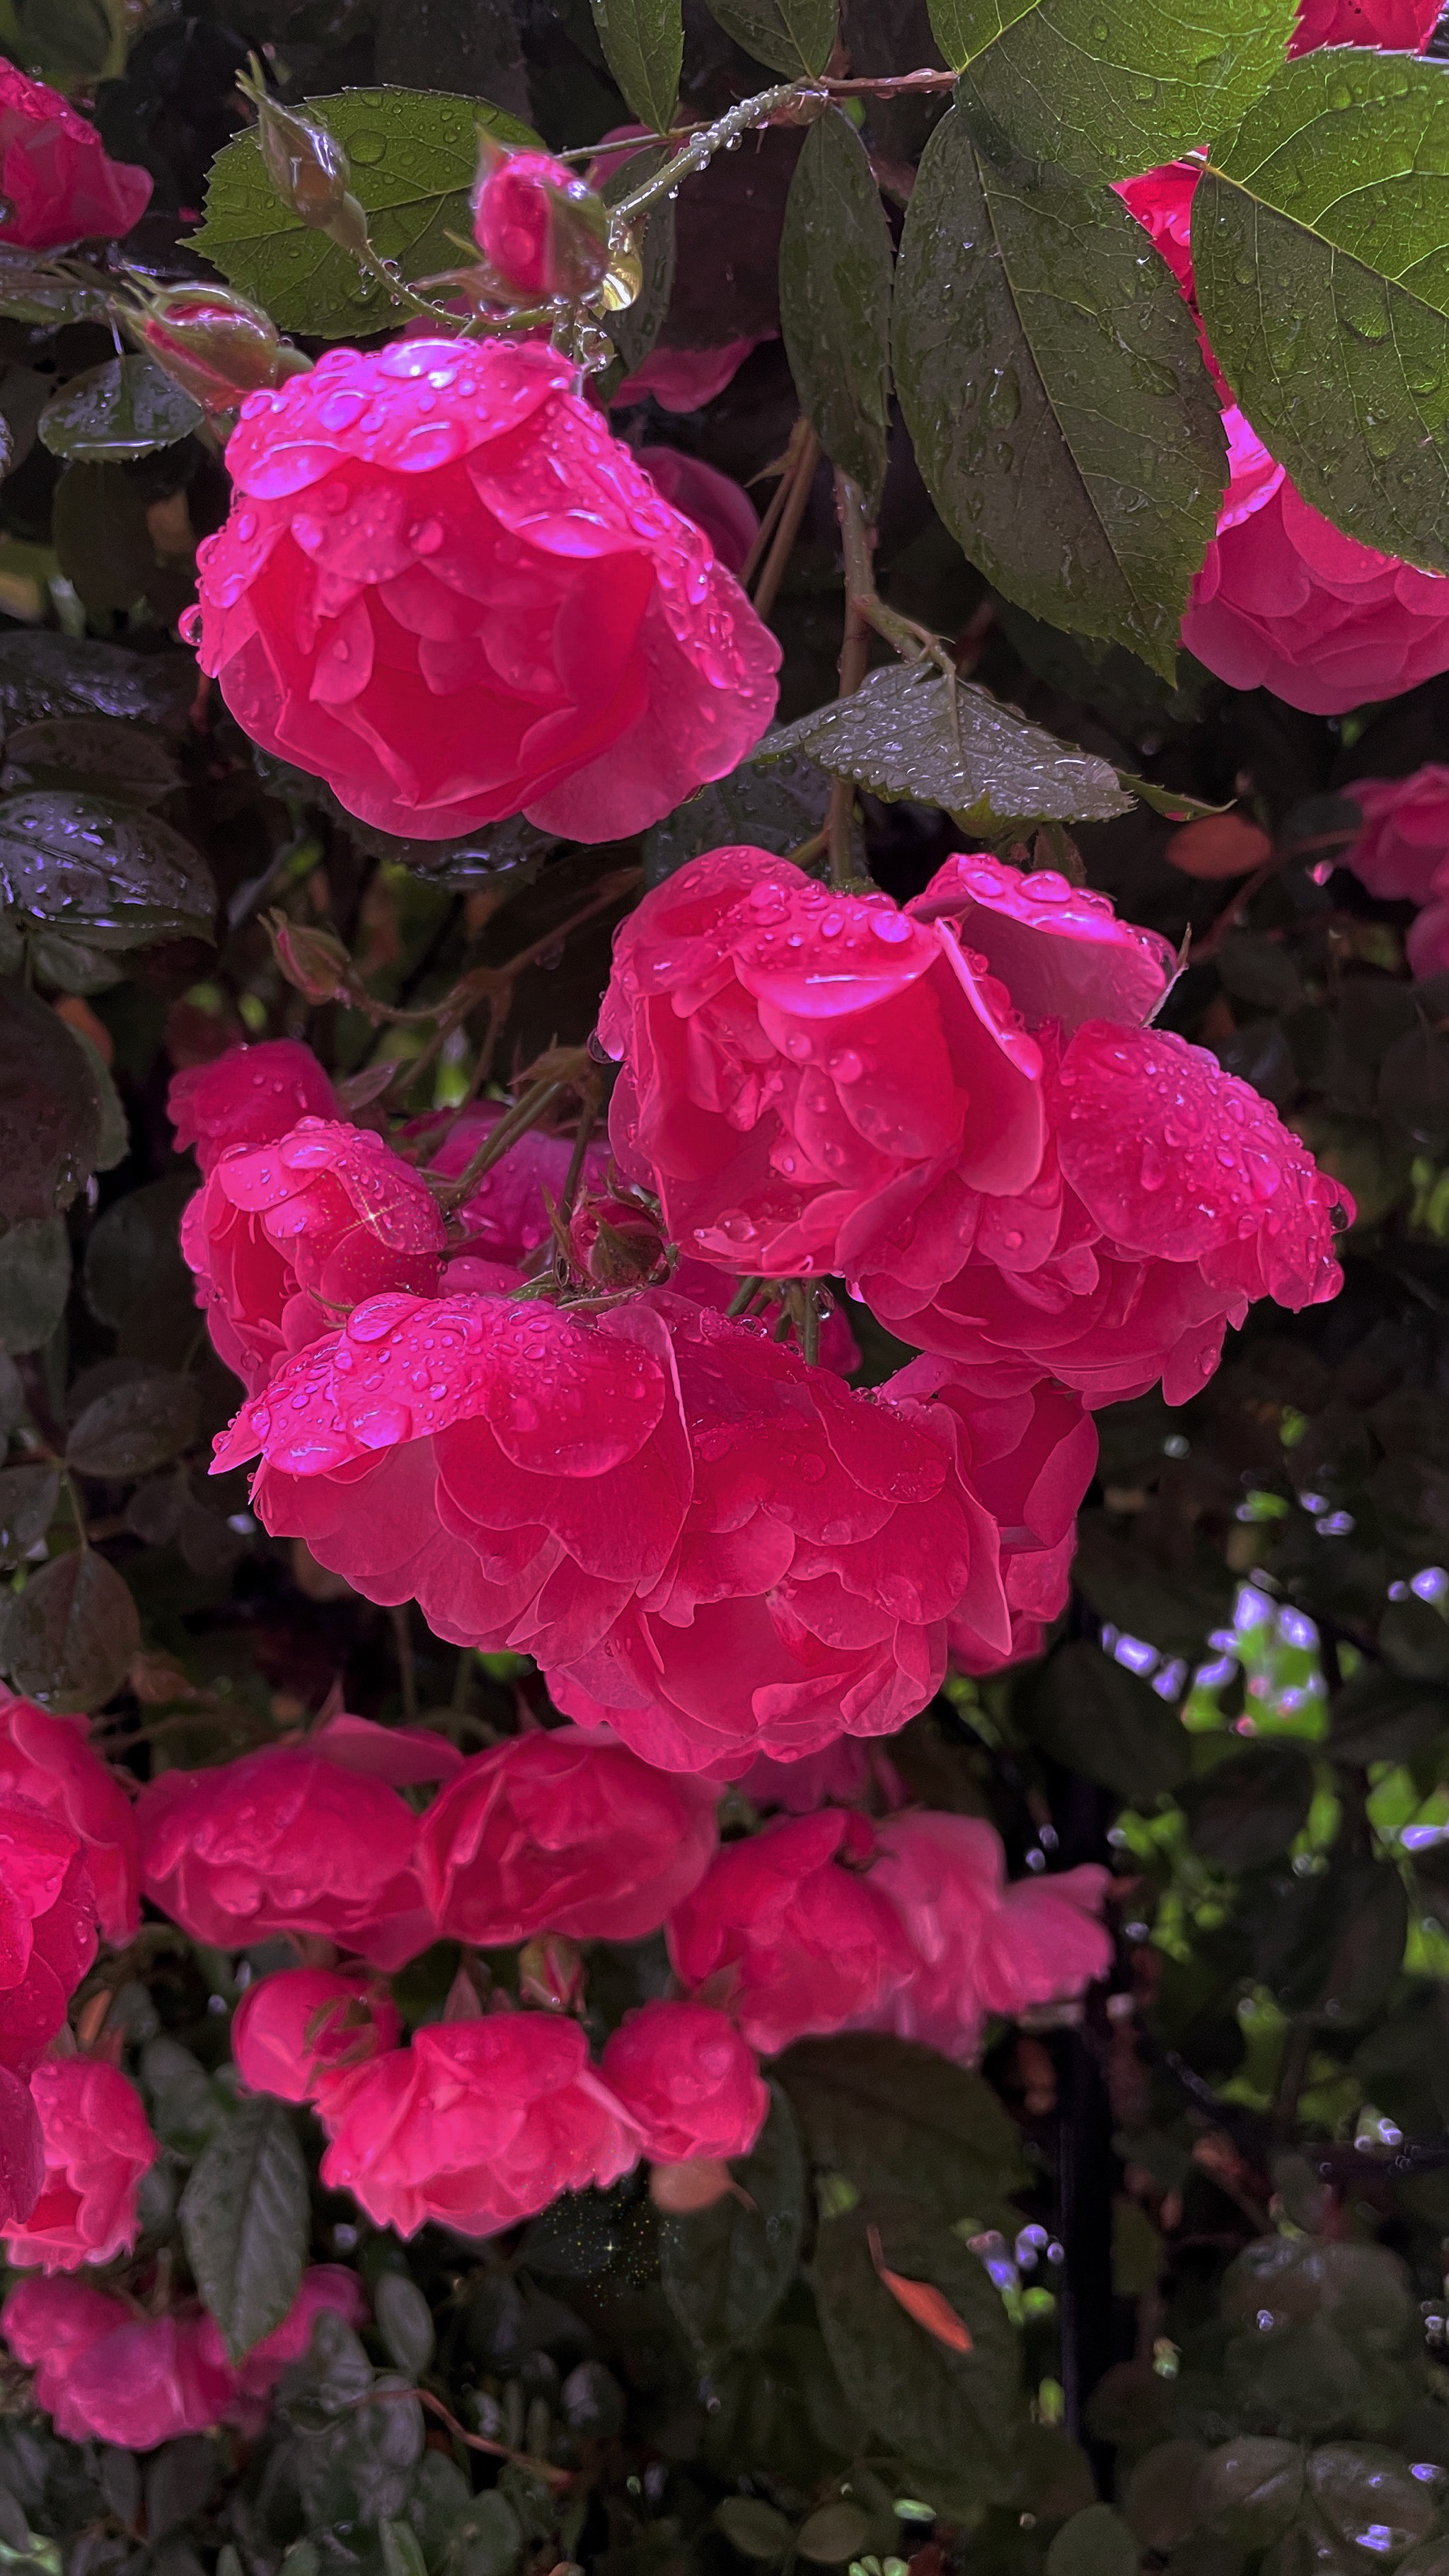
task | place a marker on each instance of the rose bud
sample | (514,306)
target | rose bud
(313,961)
(307,166)
(551,1972)
(540,227)
(617,1243)
(215,345)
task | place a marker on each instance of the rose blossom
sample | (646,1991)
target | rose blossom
(686,379)
(294,2031)
(726,513)
(478,2124)
(790,1933)
(286,1237)
(687,2080)
(249,1096)
(49,1761)
(1405,837)
(446,589)
(103,2374)
(552,1833)
(57,180)
(47,1928)
(538,224)
(98,2144)
(770,1564)
(1395,26)
(288,1839)
(981,1946)
(846,1774)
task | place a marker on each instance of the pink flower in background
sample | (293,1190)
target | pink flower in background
(50,1761)
(1405,837)
(285,1840)
(1427,945)
(1396,26)
(47,1928)
(296,2030)
(981,1946)
(98,2144)
(686,379)
(687,2080)
(789,1933)
(57,180)
(553,1833)
(478,2124)
(846,1774)
(249,1096)
(286,1237)
(726,513)
(446,589)
(22,2151)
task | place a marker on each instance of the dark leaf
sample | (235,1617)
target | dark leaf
(414,156)
(72,751)
(245,2223)
(1096,2542)
(185,2107)
(773,804)
(1377,1718)
(69,1637)
(643,42)
(1107,90)
(792,36)
(1332,188)
(835,301)
(65,675)
(31,291)
(985,764)
(469,46)
(1414,1639)
(898,2119)
(68,41)
(955,2411)
(12,1396)
(116,880)
(28,1498)
(51,1110)
(756,2529)
(405,2322)
(1173,1611)
(834,2533)
(34,1282)
(180,2480)
(486,2539)
(1097,1718)
(1259,971)
(1247,1810)
(1051,381)
(135,1427)
(133,1259)
(117,412)
(726,2269)
(1414,1088)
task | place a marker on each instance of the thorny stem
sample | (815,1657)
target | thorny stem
(800,474)
(784,471)
(473,2441)
(709,139)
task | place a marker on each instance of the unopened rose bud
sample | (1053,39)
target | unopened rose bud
(308,168)
(215,345)
(551,1972)
(617,1244)
(540,227)
(313,961)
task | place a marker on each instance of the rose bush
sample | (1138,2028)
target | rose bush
(445,588)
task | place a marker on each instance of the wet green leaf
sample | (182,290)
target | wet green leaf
(414,155)
(835,301)
(67,675)
(643,42)
(116,880)
(989,767)
(52,1113)
(72,751)
(792,36)
(1336,188)
(31,292)
(771,803)
(116,412)
(1247,2491)
(134,1428)
(68,1638)
(947,2410)
(1052,383)
(245,2223)
(726,2269)
(1104,88)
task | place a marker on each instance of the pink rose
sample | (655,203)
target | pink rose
(846,1774)
(285,1840)
(552,1833)
(296,2030)
(1427,945)
(391,606)
(1405,836)
(98,2144)
(328,2289)
(57,180)
(727,515)
(49,1761)
(1395,26)
(981,1946)
(789,1933)
(47,1928)
(686,379)
(249,1096)
(688,2082)
(477,2125)
(287,1237)
(538,224)
(771,1563)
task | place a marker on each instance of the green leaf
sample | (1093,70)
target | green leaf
(186,2107)
(835,301)
(133,1428)
(1105,87)
(30,291)
(1096,2542)
(895,2118)
(52,1112)
(116,880)
(990,768)
(1052,384)
(245,2223)
(1247,2491)
(772,802)
(28,1497)
(82,751)
(947,2410)
(414,156)
(486,2539)
(792,36)
(1173,1611)
(643,42)
(69,1637)
(1320,235)
(834,2533)
(404,2321)
(68,41)
(1246,1810)
(726,2269)
(34,1282)
(68,675)
(756,2529)
(102,542)
(116,412)
(1103,1721)
(132,1259)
